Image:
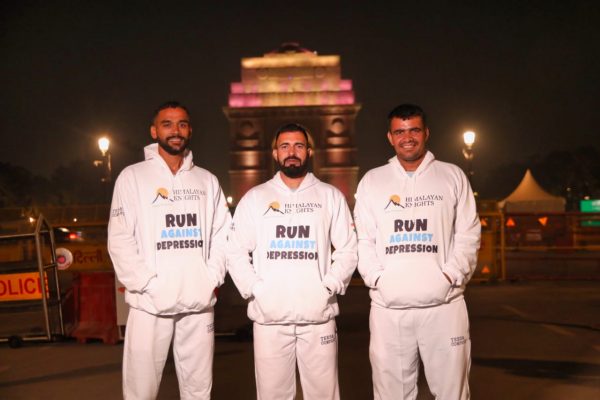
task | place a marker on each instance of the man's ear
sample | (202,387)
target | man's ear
(389,136)
(153,132)
(274,154)
(309,152)
(426,134)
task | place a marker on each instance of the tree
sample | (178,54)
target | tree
(20,188)
(79,182)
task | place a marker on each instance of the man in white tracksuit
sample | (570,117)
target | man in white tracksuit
(166,237)
(292,277)
(418,235)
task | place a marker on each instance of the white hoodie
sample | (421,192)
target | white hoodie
(412,229)
(290,234)
(167,235)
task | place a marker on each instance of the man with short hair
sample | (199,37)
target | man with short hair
(166,237)
(418,236)
(292,277)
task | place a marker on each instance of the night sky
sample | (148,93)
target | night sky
(523,75)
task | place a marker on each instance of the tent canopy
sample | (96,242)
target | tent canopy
(529,196)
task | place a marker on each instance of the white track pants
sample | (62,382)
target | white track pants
(276,349)
(147,341)
(440,335)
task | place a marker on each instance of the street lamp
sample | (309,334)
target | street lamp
(104,144)
(469,139)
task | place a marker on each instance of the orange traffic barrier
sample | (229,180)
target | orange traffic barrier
(95,307)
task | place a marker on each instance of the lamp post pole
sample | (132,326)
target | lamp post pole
(104,145)
(469,139)
(106,162)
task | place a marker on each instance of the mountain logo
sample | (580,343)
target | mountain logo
(273,207)
(161,193)
(394,202)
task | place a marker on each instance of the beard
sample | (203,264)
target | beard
(174,151)
(294,171)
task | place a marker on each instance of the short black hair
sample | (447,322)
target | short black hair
(169,104)
(406,111)
(293,127)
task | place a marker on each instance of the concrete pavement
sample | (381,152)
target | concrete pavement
(530,340)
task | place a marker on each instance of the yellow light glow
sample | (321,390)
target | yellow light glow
(469,138)
(290,60)
(103,144)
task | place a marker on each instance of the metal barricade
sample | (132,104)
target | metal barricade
(29,285)
(491,261)
(552,245)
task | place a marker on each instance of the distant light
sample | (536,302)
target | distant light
(290,60)
(74,219)
(469,138)
(543,221)
(237,87)
(31,220)
(103,144)
(346,84)
(586,197)
(229,199)
(356,195)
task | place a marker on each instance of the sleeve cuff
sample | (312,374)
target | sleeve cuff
(374,278)
(456,276)
(332,284)
(149,285)
(257,288)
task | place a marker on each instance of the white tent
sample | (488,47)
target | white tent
(529,196)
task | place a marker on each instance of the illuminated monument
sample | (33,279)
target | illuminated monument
(292,84)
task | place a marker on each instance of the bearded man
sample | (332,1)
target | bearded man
(280,258)
(166,238)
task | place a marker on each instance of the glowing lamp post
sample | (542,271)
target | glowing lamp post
(104,144)
(469,139)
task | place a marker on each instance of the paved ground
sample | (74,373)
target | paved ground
(530,341)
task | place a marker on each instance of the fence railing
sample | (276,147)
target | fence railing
(568,239)
(539,245)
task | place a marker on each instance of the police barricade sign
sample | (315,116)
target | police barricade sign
(23,286)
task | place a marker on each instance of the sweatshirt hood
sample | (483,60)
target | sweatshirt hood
(308,181)
(427,161)
(409,182)
(151,154)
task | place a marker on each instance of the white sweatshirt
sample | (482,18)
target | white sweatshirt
(167,235)
(412,229)
(289,235)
